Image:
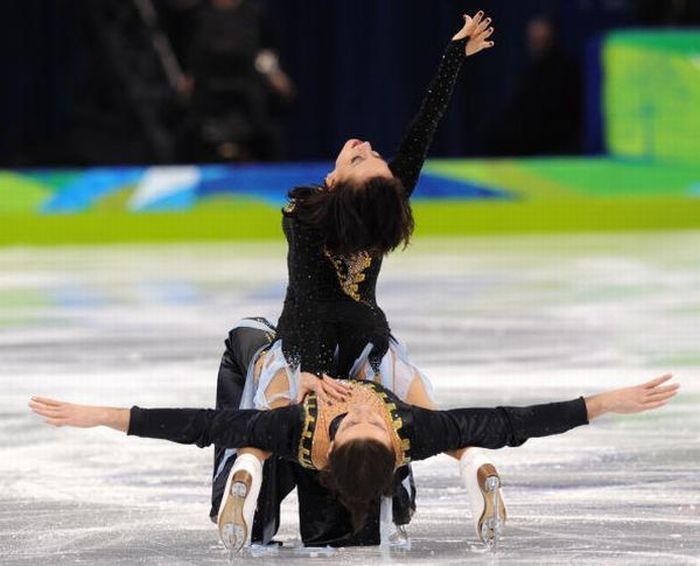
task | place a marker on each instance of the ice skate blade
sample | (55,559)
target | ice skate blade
(492,520)
(491,531)
(233,529)
(399,538)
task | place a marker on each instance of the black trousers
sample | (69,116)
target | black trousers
(323,520)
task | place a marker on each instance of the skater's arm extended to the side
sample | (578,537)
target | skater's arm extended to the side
(413,149)
(442,431)
(60,413)
(650,395)
(275,431)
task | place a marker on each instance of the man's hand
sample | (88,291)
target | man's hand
(326,388)
(478,30)
(60,413)
(649,395)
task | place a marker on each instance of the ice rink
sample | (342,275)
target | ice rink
(492,320)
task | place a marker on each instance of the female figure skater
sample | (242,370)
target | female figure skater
(370,419)
(338,234)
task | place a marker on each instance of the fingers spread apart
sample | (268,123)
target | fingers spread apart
(486,34)
(482,26)
(479,30)
(471,25)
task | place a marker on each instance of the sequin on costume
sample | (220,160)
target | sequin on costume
(291,431)
(351,272)
(330,311)
(315,439)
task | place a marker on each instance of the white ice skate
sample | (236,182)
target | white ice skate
(237,509)
(484,487)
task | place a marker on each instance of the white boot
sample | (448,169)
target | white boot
(238,504)
(483,485)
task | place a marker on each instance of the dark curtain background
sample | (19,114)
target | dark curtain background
(43,56)
(360,67)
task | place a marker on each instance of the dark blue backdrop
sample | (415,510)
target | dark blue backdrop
(360,67)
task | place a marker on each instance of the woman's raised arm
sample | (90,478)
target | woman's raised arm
(413,149)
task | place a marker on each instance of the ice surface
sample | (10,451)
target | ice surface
(491,320)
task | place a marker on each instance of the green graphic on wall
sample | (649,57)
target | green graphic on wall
(652,94)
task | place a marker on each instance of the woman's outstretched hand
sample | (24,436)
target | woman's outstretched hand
(60,413)
(478,29)
(326,388)
(650,395)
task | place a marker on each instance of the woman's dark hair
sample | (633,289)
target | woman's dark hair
(360,471)
(374,217)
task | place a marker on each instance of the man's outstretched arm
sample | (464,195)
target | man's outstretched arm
(60,413)
(276,431)
(442,431)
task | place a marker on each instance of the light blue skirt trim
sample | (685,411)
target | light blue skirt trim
(396,373)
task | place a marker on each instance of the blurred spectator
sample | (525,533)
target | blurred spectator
(234,84)
(544,116)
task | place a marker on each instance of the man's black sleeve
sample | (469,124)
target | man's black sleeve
(275,431)
(440,431)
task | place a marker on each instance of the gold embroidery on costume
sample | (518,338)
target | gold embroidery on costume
(351,271)
(396,423)
(307,431)
(315,439)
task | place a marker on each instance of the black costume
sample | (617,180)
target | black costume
(285,432)
(330,316)
(428,432)
(331,300)
(323,520)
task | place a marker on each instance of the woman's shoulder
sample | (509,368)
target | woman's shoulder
(298,196)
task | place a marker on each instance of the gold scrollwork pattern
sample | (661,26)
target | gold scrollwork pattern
(307,431)
(403,455)
(351,271)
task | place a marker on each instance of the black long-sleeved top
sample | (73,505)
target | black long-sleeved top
(286,431)
(331,301)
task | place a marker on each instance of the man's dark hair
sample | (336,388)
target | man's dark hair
(360,471)
(374,217)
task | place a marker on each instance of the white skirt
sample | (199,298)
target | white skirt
(396,373)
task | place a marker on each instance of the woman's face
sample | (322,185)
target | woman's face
(357,163)
(363,422)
